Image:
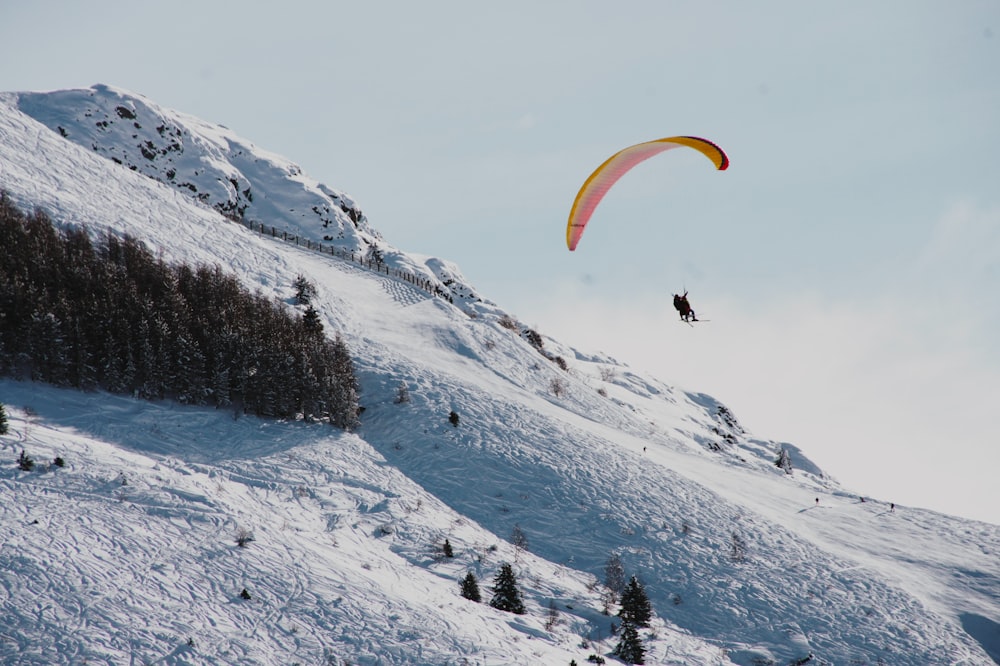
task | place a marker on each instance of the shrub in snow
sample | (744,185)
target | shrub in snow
(737,548)
(243,537)
(519,538)
(614,574)
(453,418)
(508,322)
(552,616)
(4,428)
(448,552)
(25,462)
(402,393)
(244,594)
(59,462)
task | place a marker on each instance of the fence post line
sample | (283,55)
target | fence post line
(411,278)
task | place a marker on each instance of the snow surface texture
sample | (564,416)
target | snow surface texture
(128,553)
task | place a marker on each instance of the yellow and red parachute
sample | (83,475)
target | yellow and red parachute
(616,166)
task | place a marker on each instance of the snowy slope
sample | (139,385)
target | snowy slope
(132,555)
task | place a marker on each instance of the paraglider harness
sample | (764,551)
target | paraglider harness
(684,308)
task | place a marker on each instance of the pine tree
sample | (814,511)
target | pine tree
(344,393)
(506,594)
(447,549)
(784,461)
(304,290)
(630,648)
(635,609)
(311,322)
(470,588)
(4,428)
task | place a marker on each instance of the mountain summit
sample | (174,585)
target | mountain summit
(175,534)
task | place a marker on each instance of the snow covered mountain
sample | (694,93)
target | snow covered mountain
(555,460)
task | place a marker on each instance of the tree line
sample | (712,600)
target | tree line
(109,315)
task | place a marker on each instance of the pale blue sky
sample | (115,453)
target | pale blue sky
(849,258)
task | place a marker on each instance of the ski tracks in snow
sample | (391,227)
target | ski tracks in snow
(403,293)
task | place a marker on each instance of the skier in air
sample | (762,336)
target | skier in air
(684,308)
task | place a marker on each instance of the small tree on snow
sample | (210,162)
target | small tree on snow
(506,594)
(737,548)
(304,290)
(25,462)
(4,428)
(784,461)
(402,393)
(614,574)
(519,539)
(470,588)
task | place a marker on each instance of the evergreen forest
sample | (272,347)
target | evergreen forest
(107,314)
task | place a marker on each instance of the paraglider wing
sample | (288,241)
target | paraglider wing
(616,166)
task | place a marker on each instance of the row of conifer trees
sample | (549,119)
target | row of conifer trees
(112,316)
(635,612)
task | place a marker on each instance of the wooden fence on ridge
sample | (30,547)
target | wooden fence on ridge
(354,257)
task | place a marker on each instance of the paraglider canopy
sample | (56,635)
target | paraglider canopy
(616,166)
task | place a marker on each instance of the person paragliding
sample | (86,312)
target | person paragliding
(684,307)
